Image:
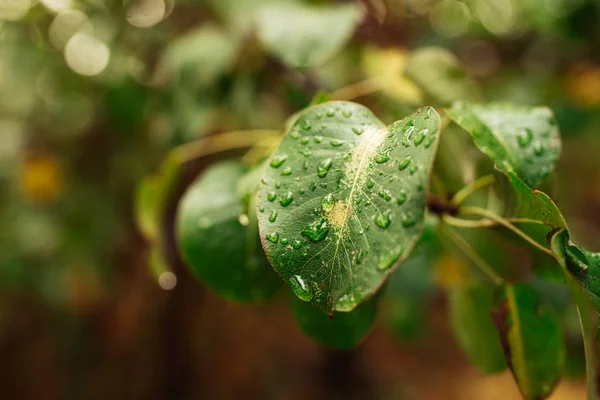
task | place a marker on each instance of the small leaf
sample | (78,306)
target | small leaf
(470,312)
(441,76)
(532,339)
(218,236)
(353,212)
(521,139)
(304,35)
(582,270)
(344,331)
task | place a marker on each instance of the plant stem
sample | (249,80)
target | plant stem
(487,214)
(468,250)
(472,187)
(222,142)
(358,89)
(486,223)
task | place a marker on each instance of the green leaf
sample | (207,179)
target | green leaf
(582,270)
(201,56)
(151,198)
(344,331)
(218,236)
(521,139)
(344,200)
(441,76)
(304,35)
(471,315)
(532,339)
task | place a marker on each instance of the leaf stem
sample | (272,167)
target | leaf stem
(358,89)
(489,215)
(222,142)
(472,187)
(486,223)
(468,250)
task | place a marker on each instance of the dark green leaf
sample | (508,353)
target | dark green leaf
(345,330)
(441,76)
(532,339)
(218,236)
(471,314)
(517,138)
(304,35)
(582,269)
(344,200)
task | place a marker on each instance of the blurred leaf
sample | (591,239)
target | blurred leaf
(344,200)
(410,288)
(201,56)
(344,331)
(517,138)
(471,315)
(218,236)
(441,76)
(241,14)
(151,198)
(532,339)
(306,35)
(582,270)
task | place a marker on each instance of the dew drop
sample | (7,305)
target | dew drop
(307,126)
(318,139)
(284,241)
(408,220)
(430,140)
(287,171)
(414,168)
(328,202)
(306,153)
(273,216)
(331,113)
(524,137)
(317,230)
(300,289)
(301,191)
(370,183)
(388,260)
(358,131)
(404,163)
(278,160)
(539,149)
(385,194)
(313,186)
(401,199)
(287,199)
(319,115)
(273,237)
(360,256)
(324,167)
(271,196)
(383,156)
(277,185)
(419,137)
(383,220)
(336,143)
(305,140)
(347,113)
(297,244)
(261,209)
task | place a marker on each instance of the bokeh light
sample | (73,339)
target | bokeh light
(146,13)
(65,25)
(11,10)
(86,55)
(450,18)
(58,5)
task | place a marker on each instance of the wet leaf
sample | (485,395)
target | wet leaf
(471,315)
(440,75)
(347,206)
(521,139)
(304,35)
(218,236)
(344,331)
(532,339)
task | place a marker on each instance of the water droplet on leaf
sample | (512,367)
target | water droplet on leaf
(323,167)
(316,231)
(278,160)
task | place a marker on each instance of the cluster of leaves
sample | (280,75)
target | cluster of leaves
(343,199)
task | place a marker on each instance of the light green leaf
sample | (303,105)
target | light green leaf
(533,342)
(218,236)
(471,315)
(441,76)
(344,200)
(344,331)
(304,35)
(521,139)
(582,270)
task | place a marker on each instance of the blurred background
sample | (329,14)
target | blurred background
(94,94)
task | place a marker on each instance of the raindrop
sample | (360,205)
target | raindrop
(419,138)
(328,202)
(313,186)
(295,134)
(408,220)
(287,199)
(299,287)
(347,113)
(331,113)
(271,196)
(261,209)
(401,199)
(524,137)
(286,171)
(307,126)
(370,183)
(316,231)
(323,167)
(272,237)
(360,256)
(404,163)
(301,191)
(318,139)
(306,153)
(305,140)
(539,149)
(336,143)
(383,156)
(383,220)
(430,140)
(273,216)
(384,194)
(388,260)
(284,241)
(413,169)
(358,131)
(297,244)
